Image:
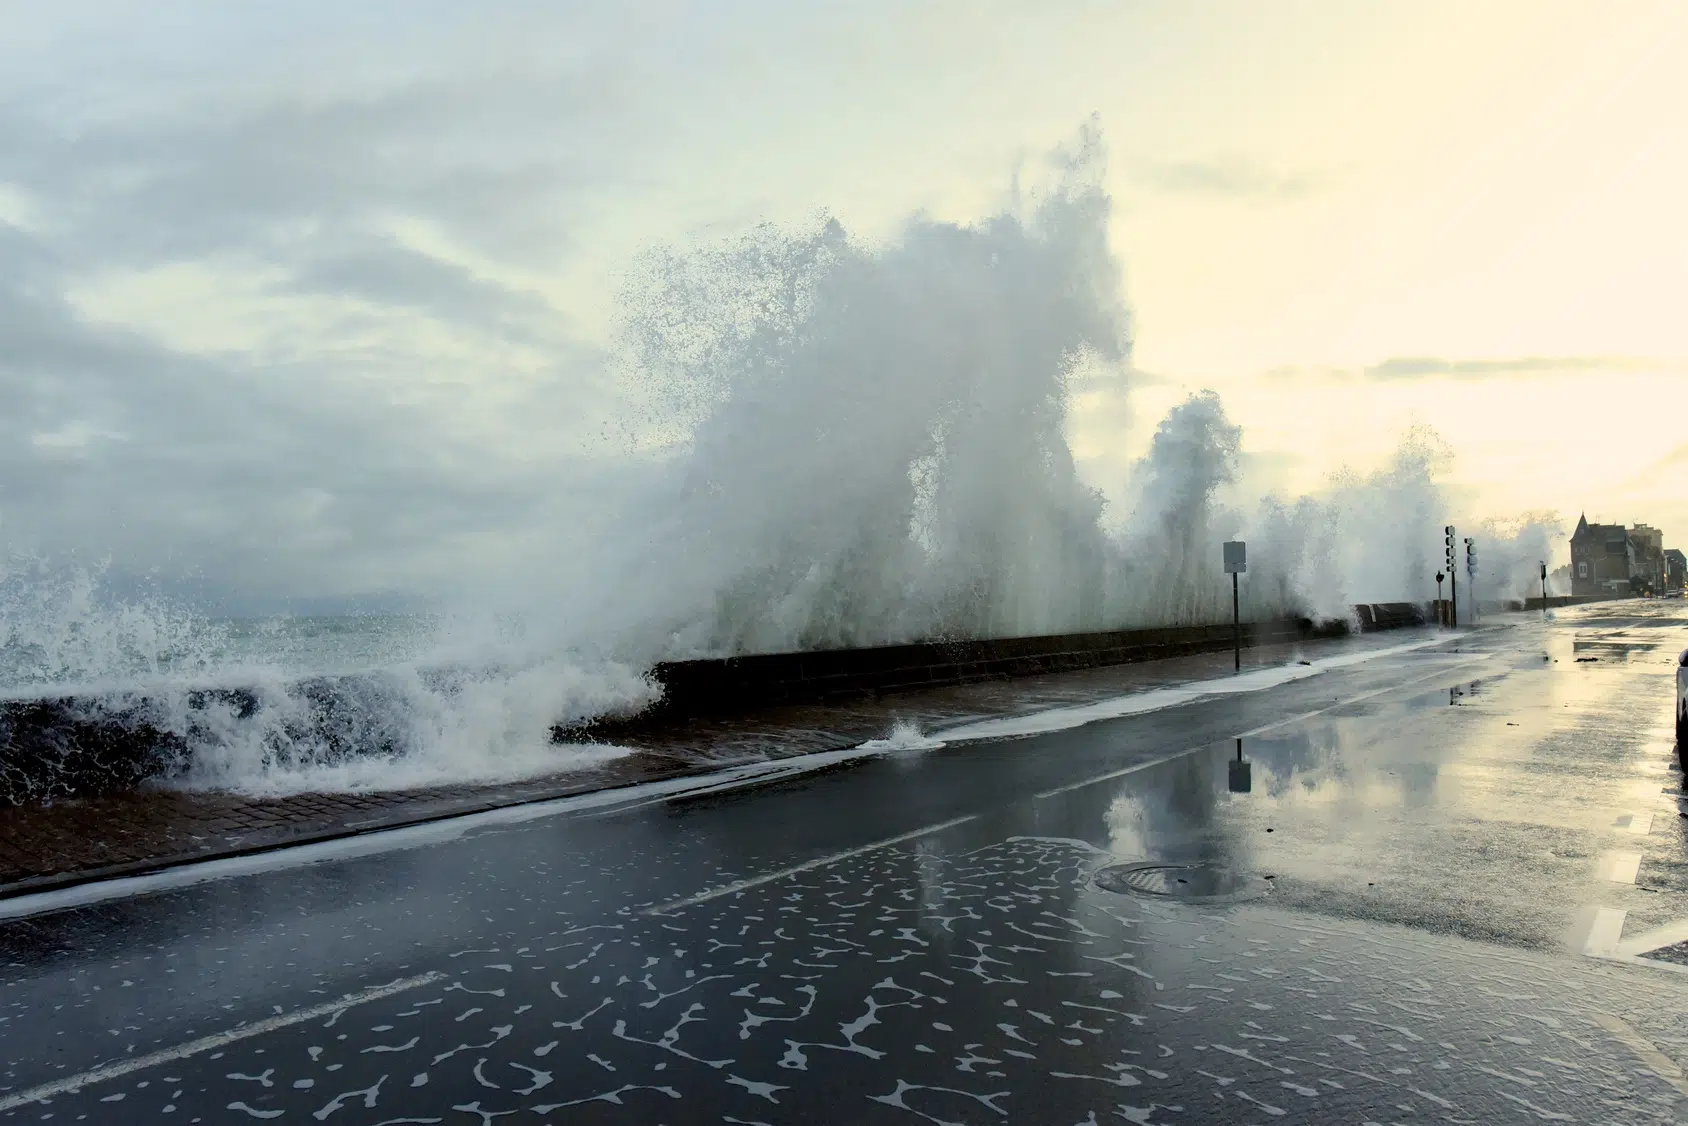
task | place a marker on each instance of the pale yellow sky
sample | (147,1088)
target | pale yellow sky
(1304,191)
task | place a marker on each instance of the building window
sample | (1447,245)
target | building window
(1582,570)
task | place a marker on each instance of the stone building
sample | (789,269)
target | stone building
(1602,560)
(1648,574)
(1612,561)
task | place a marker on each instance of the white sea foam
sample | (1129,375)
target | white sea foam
(492,726)
(905,736)
(1159,699)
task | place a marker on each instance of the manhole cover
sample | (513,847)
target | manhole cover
(1200,883)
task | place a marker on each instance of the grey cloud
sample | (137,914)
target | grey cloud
(493,157)
(261,477)
(382,272)
(1434,367)
(1414,367)
(1234,177)
(1675,459)
(1294,373)
(351,458)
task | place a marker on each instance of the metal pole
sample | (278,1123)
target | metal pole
(1236,622)
(1471,574)
(1453,597)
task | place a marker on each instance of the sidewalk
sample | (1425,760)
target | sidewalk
(76,841)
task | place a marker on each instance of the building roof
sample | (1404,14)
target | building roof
(1609,533)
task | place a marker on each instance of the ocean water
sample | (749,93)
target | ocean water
(342,704)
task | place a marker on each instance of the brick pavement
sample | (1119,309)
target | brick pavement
(73,841)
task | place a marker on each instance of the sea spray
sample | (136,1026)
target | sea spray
(1162,564)
(137,687)
(59,625)
(833,442)
(876,447)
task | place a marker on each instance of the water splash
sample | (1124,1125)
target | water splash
(59,626)
(837,442)
(875,445)
(287,706)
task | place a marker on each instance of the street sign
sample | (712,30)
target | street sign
(1236,557)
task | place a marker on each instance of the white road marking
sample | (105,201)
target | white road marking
(406,837)
(1273,726)
(206,1043)
(1638,824)
(1619,867)
(1121,773)
(1668,935)
(1159,699)
(818,862)
(1604,932)
(1135,767)
(1645,1050)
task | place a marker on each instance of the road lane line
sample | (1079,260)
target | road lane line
(1639,824)
(1604,932)
(380,842)
(206,1043)
(818,862)
(1645,1050)
(1363,696)
(1620,867)
(1135,767)
(1668,935)
(1121,773)
(1051,720)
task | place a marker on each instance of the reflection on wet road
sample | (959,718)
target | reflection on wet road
(1388,919)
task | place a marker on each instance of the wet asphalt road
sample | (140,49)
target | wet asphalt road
(1395,928)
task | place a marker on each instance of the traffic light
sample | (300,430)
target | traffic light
(1448,538)
(1470,556)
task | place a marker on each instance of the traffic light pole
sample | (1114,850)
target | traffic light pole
(1471,573)
(1453,581)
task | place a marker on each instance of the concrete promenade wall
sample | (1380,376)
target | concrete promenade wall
(1557,600)
(738,683)
(66,746)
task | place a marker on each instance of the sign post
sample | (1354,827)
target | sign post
(1236,562)
(1441,613)
(1240,778)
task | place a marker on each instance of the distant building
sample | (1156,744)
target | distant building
(1602,560)
(1676,569)
(1648,577)
(1611,561)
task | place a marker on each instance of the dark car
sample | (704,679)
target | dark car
(1682,702)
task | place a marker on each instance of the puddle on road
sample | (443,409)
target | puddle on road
(1489,825)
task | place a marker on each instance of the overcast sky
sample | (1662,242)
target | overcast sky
(314,299)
